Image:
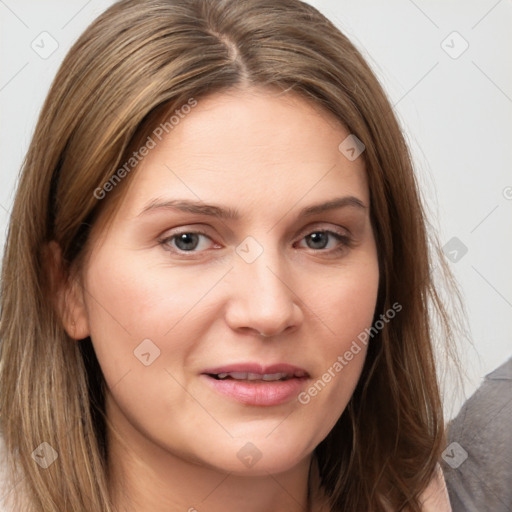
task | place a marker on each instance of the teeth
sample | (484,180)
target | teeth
(274,376)
(238,375)
(255,376)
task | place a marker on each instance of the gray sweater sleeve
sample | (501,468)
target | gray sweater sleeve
(478,459)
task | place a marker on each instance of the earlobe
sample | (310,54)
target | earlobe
(67,294)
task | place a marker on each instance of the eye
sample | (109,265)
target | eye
(326,240)
(187,241)
(195,241)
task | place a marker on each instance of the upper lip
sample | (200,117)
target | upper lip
(257,368)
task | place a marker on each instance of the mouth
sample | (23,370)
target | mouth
(252,377)
(254,384)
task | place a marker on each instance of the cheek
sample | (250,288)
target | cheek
(346,308)
(140,298)
(129,302)
(347,302)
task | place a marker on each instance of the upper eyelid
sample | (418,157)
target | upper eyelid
(315,226)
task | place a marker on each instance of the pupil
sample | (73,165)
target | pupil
(318,240)
(187,241)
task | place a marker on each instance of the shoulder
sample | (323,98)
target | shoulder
(504,372)
(435,497)
(492,397)
(479,462)
(4,487)
(7,489)
(487,413)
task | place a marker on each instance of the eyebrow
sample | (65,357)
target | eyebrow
(220,212)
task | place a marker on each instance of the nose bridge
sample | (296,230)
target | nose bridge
(264,272)
(261,299)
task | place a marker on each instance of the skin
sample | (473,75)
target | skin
(267,156)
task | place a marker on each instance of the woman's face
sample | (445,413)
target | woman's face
(194,311)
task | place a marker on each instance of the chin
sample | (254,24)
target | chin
(258,457)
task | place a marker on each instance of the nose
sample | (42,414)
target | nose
(262,298)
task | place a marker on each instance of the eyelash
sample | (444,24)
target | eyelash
(344,241)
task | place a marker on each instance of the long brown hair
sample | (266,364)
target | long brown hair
(135,64)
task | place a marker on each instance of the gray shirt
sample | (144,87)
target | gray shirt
(478,459)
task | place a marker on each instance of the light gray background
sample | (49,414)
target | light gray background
(455,107)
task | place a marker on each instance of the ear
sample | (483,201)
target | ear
(67,294)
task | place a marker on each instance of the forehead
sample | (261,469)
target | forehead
(249,149)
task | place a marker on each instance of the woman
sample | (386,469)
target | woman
(216,281)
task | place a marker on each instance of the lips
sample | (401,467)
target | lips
(255,384)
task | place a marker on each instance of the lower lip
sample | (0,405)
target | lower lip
(258,392)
